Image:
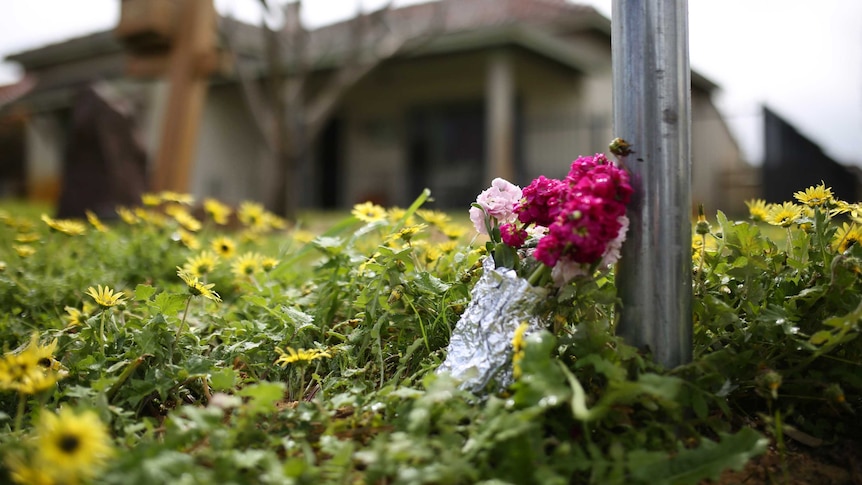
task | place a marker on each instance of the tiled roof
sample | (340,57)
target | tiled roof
(11,92)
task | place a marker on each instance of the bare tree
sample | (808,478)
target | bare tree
(289,115)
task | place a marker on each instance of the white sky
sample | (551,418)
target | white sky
(803,58)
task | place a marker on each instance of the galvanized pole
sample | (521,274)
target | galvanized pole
(652,112)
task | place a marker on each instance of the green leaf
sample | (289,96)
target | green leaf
(169,303)
(144,292)
(707,461)
(263,396)
(223,379)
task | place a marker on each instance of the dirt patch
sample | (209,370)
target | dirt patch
(837,464)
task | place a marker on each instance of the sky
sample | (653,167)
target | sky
(802,58)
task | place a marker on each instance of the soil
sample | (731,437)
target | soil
(836,464)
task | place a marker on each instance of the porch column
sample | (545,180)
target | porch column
(499,117)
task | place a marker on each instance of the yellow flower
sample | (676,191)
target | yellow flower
(127,216)
(452,231)
(783,214)
(407,233)
(435,218)
(169,196)
(223,246)
(846,236)
(24,473)
(273,221)
(268,264)
(448,246)
(252,214)
(24,250)
(182,216)
(66,226)
(105,297)
(302,236)
(757,209)
(94,221)
(518,345)
(368,212)
(151,200)
(151,217)
(220,213)
(188,239)
(31,370)
(300,355)
(26,238)
(202,264)
(197,287)
(246,265)
(396,214)
(71,446)
(815,196)
(74,317)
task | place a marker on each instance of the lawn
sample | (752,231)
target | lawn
(232,347)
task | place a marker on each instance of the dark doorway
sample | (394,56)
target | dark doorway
(329,181)
(446,150)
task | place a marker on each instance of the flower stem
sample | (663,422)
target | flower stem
(19,415)
(539,274)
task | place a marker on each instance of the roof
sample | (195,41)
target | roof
(434,27)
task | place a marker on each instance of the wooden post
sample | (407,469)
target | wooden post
(192,59)
(500,114)
(652,112)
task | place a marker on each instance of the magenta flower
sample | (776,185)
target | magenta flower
(512,235)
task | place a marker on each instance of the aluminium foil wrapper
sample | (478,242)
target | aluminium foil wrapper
(480,349)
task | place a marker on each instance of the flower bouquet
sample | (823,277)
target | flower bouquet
(540,239)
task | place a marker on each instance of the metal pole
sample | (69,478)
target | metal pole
(652,112)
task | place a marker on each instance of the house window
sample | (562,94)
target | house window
(446,152)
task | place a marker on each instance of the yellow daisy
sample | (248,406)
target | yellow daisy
(74,317)
(105,297)
(252,214)
(301,355)
(196,286)
(31,370)
(783,214)
(24,473)
(66,226)
(846,236)
(268,264)
(223,246)
(28,237)
(246,265)
(182,216)
(818,195)
(94,221)
(435,218)
(758,209)
(128,216)
(72,446)
(368,212)
(220,213)
(518,345)
(202,264)
(151,200)
(169,196)
(302,236)
(24,250)
(407,233)
(188,239)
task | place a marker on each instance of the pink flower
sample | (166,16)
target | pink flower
(498,202)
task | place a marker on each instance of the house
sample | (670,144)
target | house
(792,163)
(512,88)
